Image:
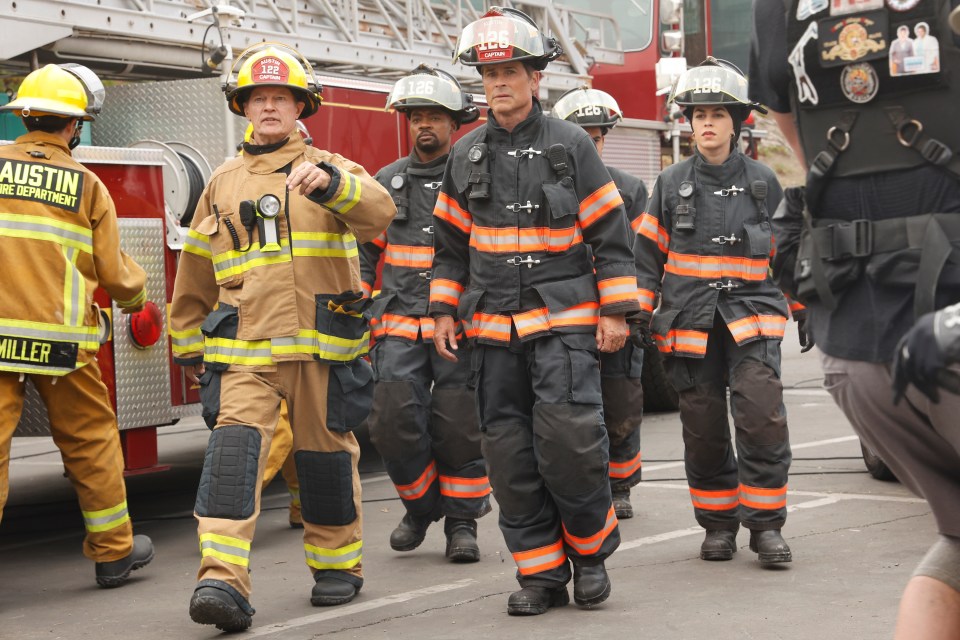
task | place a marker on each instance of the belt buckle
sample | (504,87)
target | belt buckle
(863,238)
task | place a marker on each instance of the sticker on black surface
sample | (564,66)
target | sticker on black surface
(853,39)
(917,55)
(846,7)
(859,82)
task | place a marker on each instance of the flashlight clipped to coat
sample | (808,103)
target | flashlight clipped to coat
(263,213)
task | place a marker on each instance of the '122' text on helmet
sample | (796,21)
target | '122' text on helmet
(272,65)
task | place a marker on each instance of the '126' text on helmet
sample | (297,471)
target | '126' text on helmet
(505,35)
(589,108)
(714,82)
(272,65)
(428,88)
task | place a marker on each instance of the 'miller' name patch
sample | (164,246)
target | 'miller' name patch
(39,182)
(43,353)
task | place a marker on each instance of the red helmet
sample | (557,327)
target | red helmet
(505,35)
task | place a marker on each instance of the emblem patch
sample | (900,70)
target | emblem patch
(859,82)
(853,39)
(902,5)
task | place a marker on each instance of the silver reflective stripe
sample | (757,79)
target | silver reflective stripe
(39,228)
(334,559)
(86,336)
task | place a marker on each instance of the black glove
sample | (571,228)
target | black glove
(917,360)
(641,334)
(806,338)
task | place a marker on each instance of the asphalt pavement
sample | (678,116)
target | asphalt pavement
(855,542)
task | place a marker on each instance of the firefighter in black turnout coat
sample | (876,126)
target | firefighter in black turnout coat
(531,253)
(422,422)
(706,235)
(620,372)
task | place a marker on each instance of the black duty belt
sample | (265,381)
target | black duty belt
(932,232)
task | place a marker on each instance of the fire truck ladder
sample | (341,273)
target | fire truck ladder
(367,38)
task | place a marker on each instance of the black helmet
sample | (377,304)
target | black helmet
(431,88)
(716,83)
(517,39)
(589,108)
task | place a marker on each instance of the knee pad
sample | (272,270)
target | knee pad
(228,483)
(326,487)
(399,419)
(454,427)
(756,402)
(573,446)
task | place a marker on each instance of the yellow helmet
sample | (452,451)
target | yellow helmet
(70,91)
(272,65)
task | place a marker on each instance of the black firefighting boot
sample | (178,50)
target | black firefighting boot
(532,601)
(591,584)
(115,573)
(621,503)
(719,544)
(410,532)
(770,546)
(461,539)
(217,603)
(330,591)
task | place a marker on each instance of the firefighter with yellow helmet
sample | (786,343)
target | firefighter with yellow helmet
(58,233)
(268,306)
(532,253)
(620,372)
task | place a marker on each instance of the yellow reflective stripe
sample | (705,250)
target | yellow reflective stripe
(342,558)
(86,337)
(106,519)
(342,349)
(135,301)
(197,244)
(13,225)
(230,351)
(349,194)
(231,263)
(224,548)
(187,341)
(73,288)
(324,245)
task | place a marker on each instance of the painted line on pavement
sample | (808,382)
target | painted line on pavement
(360,607)
(793,447)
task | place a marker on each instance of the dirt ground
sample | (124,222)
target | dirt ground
(776,154)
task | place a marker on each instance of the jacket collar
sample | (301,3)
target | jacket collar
(720,174)
(263,160)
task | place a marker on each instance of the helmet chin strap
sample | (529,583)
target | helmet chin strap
(75,140)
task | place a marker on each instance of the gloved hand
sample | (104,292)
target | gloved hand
(917,360)
(806,338)
(640,333)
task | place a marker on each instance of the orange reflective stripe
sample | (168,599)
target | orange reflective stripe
(453,487)
(418,487)
(395,325)
(426,328)
(405,256)
(621,470)
(758,498)
(542,559)
(683,341)
(599,203)
(529,239)
(449,211)
(646,298)
(715,500)
(586,313)
(649,227)
(613,290)
(531,322)
(767,326)
(367,289)
(445,291)
(380,240)
(592,544)
(694,266)
(491,326)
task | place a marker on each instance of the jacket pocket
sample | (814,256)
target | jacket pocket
(342,327)
(210,396)
(560,296)
(584,368)
(561,198)
(349,395)
(469,304)
(758,237)
(228,238)
(222,322)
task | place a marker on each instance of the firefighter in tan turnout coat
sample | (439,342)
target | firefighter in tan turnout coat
(58,243)
(267,307)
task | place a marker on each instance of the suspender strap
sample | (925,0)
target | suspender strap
(911,134)
(838,139)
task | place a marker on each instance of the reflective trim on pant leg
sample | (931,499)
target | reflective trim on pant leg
(539,560)
(334,559)
(226,549)
(591,545)
(228,483)
(326,487)
(106,519)
(419,487)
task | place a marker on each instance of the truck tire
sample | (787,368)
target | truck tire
(875,466)
(658,393)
